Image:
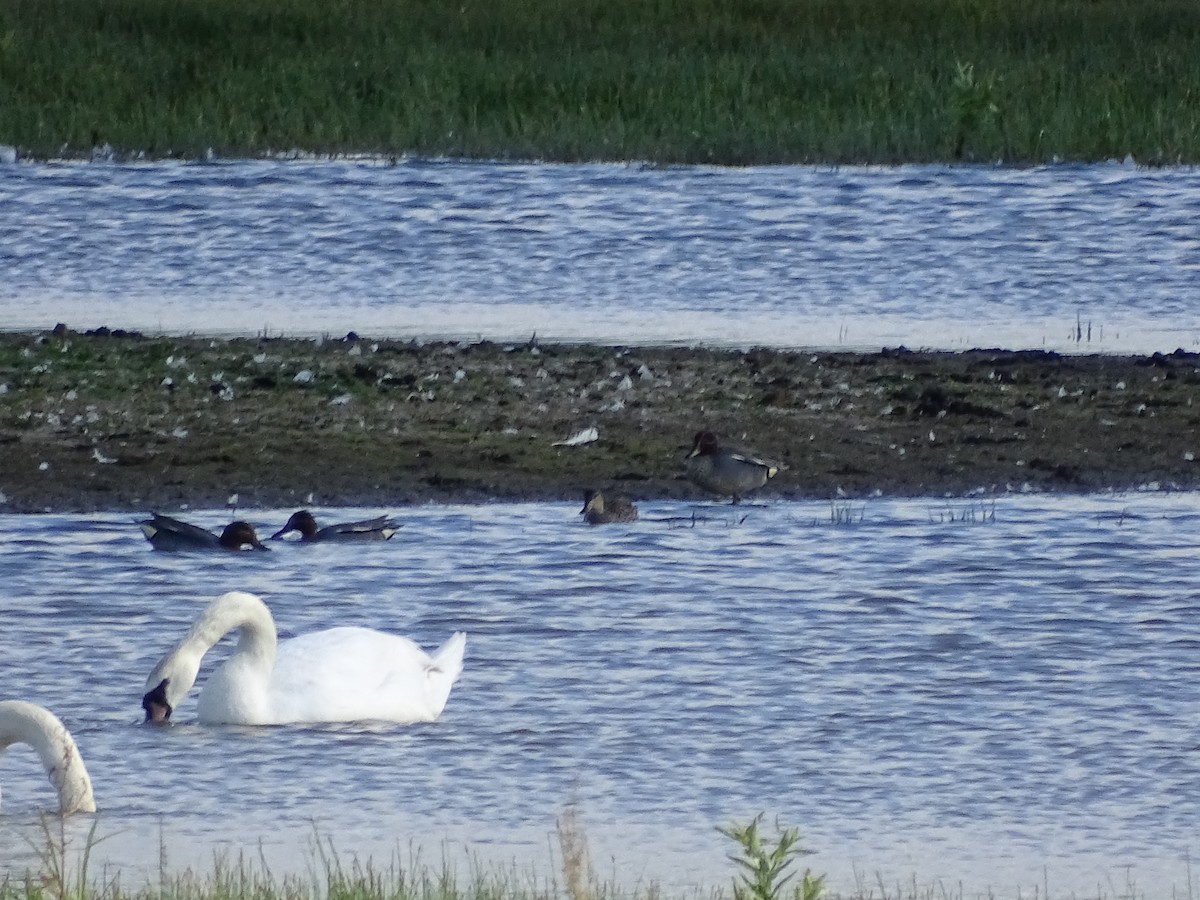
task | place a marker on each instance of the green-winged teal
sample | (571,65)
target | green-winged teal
(380,528)
(597,511)
(724,470)
(166,533)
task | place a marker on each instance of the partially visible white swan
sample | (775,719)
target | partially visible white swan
(28,723)
(343,674)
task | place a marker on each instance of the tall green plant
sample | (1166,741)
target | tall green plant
(765,874)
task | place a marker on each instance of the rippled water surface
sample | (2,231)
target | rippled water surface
(1087,258)
(1004,695)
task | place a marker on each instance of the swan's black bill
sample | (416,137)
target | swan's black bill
(155,703)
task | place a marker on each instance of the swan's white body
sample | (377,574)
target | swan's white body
(339,675)
(28,723)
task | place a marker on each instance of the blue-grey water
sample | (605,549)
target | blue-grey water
(1073,258)
(999,695)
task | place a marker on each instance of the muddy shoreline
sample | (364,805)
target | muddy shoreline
(122,421)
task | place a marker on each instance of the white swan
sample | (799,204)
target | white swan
(340,675)
(28,723)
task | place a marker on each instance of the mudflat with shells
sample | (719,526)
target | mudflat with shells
(111,420)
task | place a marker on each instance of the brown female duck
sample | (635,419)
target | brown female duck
(596,511)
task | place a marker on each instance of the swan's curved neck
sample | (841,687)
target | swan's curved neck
(27,723)
(175,674)
(235,610)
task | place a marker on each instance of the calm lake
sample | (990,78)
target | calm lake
(1072,258)
(998,695)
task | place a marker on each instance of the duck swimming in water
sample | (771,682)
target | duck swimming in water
(380,528)
(596,511)
(167,533)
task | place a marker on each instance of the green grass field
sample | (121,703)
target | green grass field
(669,81)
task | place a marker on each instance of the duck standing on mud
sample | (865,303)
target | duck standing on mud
(725,470)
